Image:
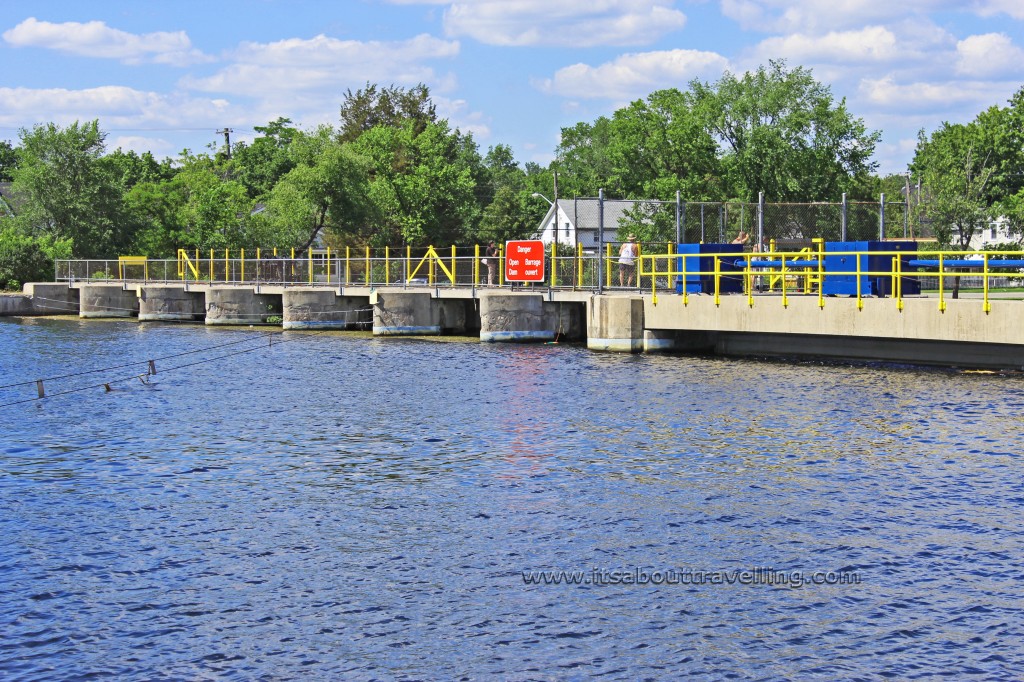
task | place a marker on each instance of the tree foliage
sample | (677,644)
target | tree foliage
(784,135)
(8,161)
(325,191)
(260,165)
(957,169)
(28,259)
(70,192)
(393,173)
(390,107)
(775,130)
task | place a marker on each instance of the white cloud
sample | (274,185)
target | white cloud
(942,97)
(115,106)
(96,39)
(872,44)
(818,16)
(989,55)
(635,75)
(157,146)
(282,69)
(986,8)
(571,23)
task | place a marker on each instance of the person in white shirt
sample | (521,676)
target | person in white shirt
(628,253)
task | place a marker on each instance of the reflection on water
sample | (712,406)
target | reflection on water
(346,507)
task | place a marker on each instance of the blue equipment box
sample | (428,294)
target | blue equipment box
(694,257)
(841,268)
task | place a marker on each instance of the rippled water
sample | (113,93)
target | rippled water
(342,507)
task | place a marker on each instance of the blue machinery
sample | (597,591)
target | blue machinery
(864,268)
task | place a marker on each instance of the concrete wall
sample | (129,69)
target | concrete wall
(319,308)
(515,317)
(52,298)
(402,313)
(961,335)
(107,300)
(170,303)
(963,320)
(15,304)
(242,305)
(616,323)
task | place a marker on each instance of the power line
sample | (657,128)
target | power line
(152,369)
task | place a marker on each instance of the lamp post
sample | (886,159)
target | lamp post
(552,204)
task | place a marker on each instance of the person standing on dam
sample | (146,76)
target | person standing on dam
(628,253)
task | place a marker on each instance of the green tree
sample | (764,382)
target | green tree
(8,161)
(957,170)
(392,107)
(28,259)
(130,168)
(510,212)
(326,192)
(782,133)
(69,191)
(199,208)
(585,161)
(422,185)
(262,164)
(663,145)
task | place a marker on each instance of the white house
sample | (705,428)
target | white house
(578,222)
(996,233)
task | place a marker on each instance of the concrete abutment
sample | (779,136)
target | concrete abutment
(319,308)
(107,300)
(242,305)
(161,303)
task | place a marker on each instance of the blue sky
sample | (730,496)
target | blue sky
(163,76)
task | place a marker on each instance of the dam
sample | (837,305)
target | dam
(860,305)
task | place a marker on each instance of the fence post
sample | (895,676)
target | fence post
(881,218)
(842,220)
(600,241)
(679,234)
(760,219)
(906,209)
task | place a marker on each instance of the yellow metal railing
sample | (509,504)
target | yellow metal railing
(780,273)
(784,271)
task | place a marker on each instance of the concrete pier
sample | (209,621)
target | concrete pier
(15,304)
(52,298)
(319,308)
(514,317)
(162,303)
(242,305)
(616,323)
(401,313)
(107,300)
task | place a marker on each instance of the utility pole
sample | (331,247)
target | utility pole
(227,139)
(556,216)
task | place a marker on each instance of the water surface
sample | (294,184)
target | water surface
(343,507)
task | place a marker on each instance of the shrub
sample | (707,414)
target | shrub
(24,258)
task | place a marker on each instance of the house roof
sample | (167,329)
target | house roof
(585,217)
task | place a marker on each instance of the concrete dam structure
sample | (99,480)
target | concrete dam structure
(915,330)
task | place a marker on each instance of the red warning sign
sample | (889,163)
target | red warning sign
(524,261)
